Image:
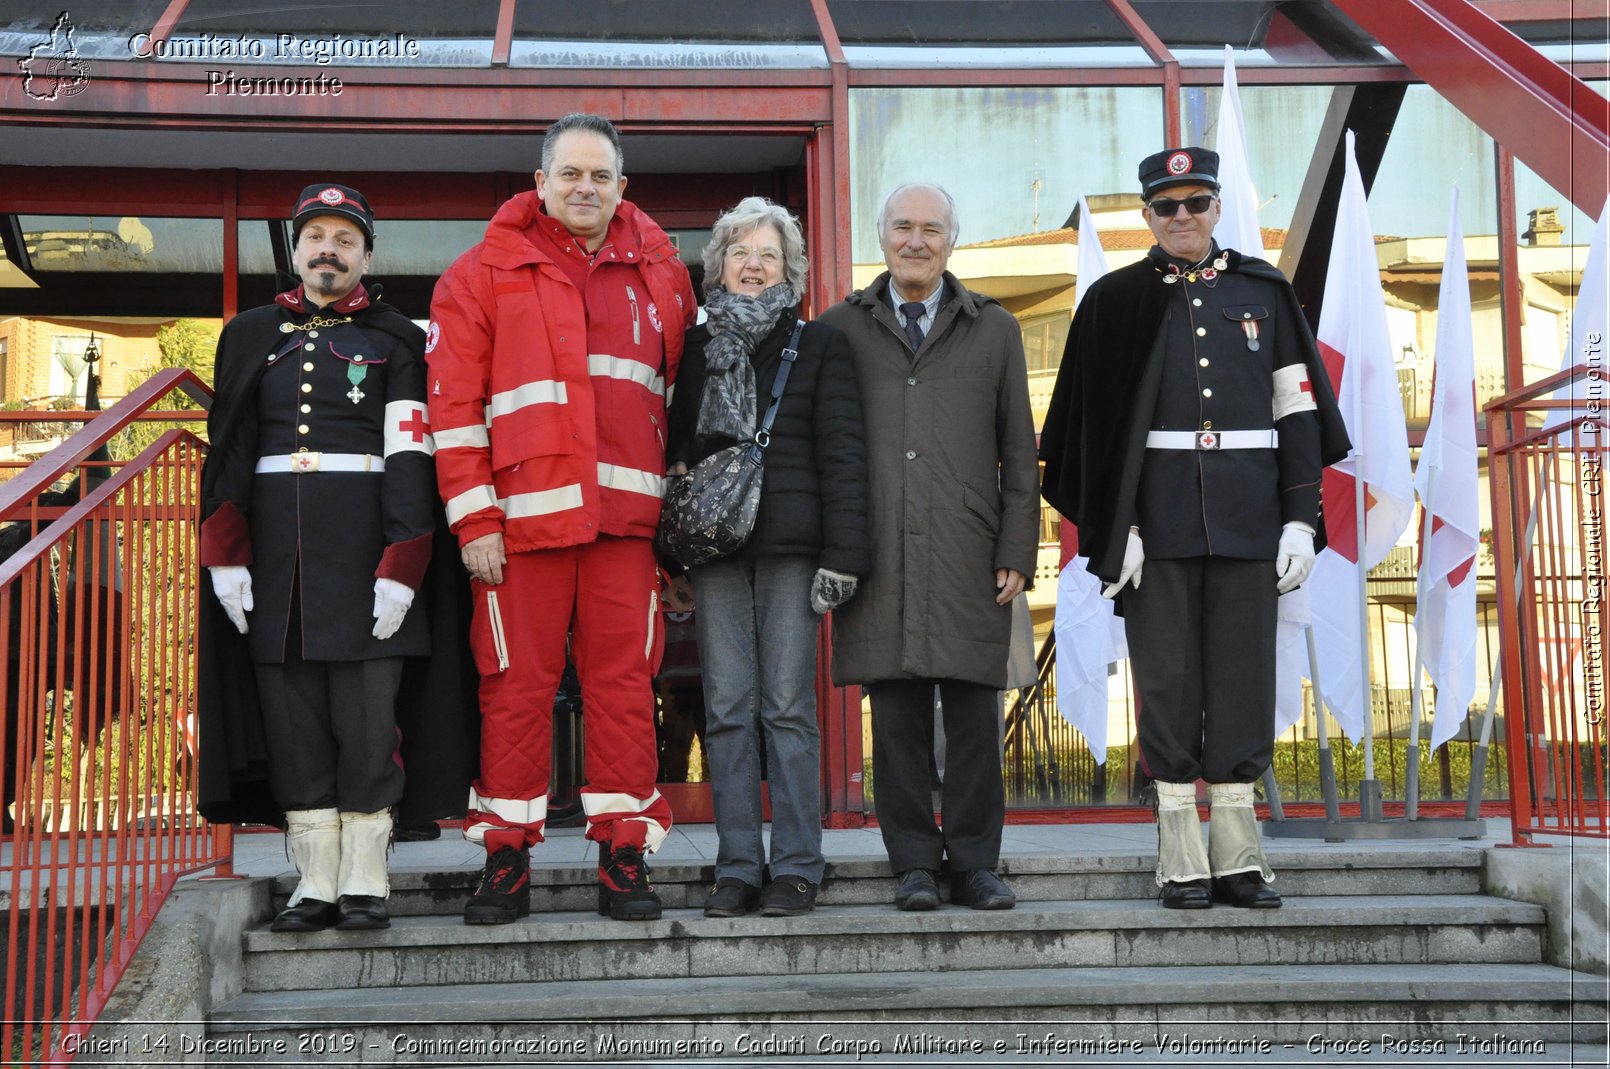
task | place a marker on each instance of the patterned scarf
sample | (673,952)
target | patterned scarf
(737,322)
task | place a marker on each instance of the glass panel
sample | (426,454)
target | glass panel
(1283,125)
(387,33)
(1553,250)
(1565,40)
(969,33)
(99,30)
(670,33)
(130,243)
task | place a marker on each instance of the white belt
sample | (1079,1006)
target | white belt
(1213,439)
(302,463)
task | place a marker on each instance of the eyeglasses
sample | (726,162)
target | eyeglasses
(1166,207)
(767,253)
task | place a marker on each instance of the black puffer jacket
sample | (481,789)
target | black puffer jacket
(814,498)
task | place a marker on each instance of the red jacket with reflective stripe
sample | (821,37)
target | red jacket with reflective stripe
(547,402)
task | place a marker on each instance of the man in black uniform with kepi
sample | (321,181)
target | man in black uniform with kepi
(1189,425)
(318,501)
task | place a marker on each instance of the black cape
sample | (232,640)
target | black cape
(1094,436)
(437,709)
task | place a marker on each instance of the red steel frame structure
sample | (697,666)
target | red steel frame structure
(1533,107)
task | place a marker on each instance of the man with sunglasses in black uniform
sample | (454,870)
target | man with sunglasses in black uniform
(1187,432)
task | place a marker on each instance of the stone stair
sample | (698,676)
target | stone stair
(1371,947)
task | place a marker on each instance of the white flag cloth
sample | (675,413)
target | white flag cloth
(1589,324)
(1238,198)
(1445,613)
(1089,636)
(1357,351)
(1092,259)
(1089,639)
(1291,657)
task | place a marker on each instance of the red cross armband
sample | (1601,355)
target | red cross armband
(1293,392)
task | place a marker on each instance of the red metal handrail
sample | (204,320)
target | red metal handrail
(97,751)
(1548,493)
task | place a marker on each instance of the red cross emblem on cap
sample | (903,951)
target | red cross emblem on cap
(1179,163)
(332,196)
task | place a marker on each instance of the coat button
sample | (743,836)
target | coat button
(1203,361)
(307,408)
(310,347)
(1246,315)
(1200,331)
(911,454)
(911,381)
(1197,301)
(1208,392)
(307,387)
(1207,424)
(308,366)
(312,334)
(302,429)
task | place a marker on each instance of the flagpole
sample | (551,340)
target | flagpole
(1327,760)
(1411,776)
(1369,797)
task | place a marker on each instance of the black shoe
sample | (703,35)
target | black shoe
(1246,890)
(788,896)
(505,892)
(731,897)
(624,891)
(308,915)
(918,891)
(981,889)
(418,833)
(359,912)
(1185,894)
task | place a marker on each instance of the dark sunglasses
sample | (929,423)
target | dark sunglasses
(1166,207)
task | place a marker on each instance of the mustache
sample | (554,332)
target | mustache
(326,261)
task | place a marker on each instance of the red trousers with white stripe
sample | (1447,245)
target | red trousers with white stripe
(603,597)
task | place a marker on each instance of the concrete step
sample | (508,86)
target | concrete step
(563,946)
(566,888)
(1290,1014)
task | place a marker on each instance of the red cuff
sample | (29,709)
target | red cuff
(225,537)
(405,562)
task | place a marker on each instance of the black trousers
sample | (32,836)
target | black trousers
(972,798)
(1201,636)
(331,732)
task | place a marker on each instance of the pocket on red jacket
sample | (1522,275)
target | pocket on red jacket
(513,445)
(488,640)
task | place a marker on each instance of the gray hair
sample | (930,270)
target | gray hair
(950,202)
(749,213)
(581,120)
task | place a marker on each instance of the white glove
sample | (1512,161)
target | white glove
(1134,557)
(831,589)
(1295,558)
(233,585)
(391,605)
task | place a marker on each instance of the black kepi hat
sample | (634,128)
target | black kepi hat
(324,198)
(1178,167)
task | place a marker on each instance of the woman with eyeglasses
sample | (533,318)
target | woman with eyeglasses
(758,611)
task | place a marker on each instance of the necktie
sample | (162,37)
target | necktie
(913,311)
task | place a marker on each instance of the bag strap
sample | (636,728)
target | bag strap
(778,383)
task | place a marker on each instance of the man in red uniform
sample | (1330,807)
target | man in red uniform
(550,349)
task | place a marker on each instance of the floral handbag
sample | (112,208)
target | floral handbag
(709,512)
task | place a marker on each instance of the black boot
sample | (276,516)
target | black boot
(505,892)
(624,892)
(308,915)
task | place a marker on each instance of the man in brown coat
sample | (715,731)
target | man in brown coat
(955,523)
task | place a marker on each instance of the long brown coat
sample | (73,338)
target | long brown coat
(954,489)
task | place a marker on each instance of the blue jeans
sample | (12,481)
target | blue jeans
(757,644)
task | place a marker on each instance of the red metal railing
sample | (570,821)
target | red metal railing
(1548,494)
(97,755)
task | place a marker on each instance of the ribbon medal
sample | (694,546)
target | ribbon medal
(355,374)
(1249,327)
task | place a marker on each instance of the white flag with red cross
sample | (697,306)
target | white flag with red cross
(1357,352)
(1445,612)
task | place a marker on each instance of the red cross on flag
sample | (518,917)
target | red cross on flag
(1357,351)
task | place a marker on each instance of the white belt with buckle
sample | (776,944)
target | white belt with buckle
(302,463)
(1269,439)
